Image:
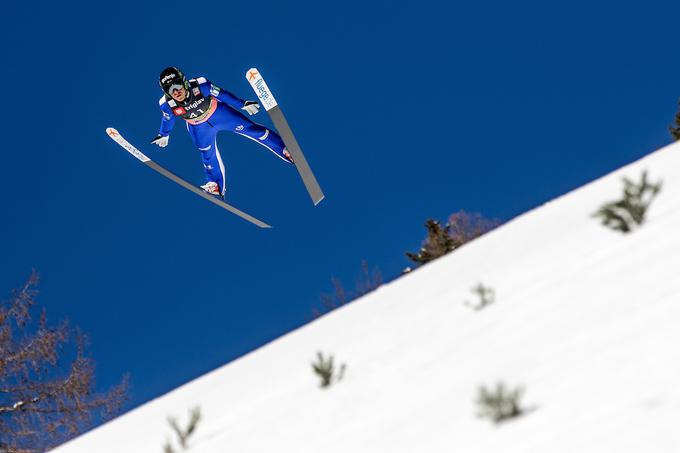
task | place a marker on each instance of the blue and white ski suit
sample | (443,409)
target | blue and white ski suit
(207,110)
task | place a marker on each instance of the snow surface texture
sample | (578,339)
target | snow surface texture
(584,318)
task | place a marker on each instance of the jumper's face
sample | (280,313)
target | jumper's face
(178,93)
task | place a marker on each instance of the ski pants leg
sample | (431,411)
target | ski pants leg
(204,137)
(226,118)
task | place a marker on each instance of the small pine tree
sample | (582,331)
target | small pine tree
(486,295)
(674,129)
(437,243)
(183,434)
(325,369)
(462,227)
(629,212)
(499,405)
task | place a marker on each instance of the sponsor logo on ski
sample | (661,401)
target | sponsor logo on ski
(138,154)
(127,146)
(263,93)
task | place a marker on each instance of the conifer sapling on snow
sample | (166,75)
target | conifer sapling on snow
(325,369)
(500,404)
(629,212)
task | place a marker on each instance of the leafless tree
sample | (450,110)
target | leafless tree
(368,281)
(465,226)
(47,381)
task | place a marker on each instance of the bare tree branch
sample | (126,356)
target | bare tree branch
(47,390)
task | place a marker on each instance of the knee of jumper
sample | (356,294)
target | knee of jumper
(254,131)
(207,151)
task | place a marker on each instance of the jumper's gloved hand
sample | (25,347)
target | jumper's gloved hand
(251,107)
(161,140)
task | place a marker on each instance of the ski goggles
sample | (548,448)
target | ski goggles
(174,87)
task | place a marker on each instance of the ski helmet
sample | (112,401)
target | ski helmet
(172,79)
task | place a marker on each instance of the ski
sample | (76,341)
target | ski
(271,106)
(115,135)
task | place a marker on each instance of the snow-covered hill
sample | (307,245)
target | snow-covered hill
(586,319)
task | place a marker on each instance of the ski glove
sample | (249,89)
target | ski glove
(161,140)
(251,107)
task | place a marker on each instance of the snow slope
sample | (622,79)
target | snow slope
(586,319)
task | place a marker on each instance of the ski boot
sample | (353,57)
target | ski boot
(287,155)
(212,188)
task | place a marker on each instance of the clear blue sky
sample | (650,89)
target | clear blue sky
(404,110)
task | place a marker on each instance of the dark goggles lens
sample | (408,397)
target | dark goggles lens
(174,87)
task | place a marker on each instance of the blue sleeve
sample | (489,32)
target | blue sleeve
(208,88)
(168,120)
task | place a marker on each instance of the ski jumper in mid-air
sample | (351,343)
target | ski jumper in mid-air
(208,109)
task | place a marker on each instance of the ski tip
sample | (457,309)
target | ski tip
(252,73)
(316,202)
(111,132)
